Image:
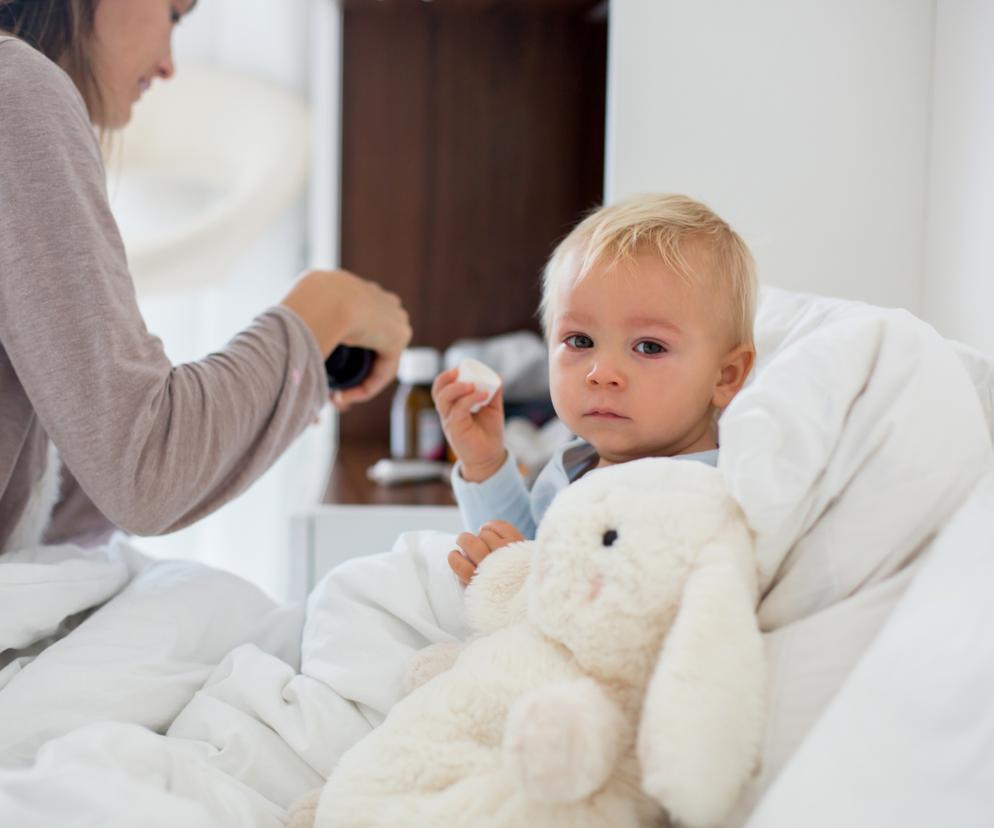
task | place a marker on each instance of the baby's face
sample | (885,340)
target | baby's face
(634,360)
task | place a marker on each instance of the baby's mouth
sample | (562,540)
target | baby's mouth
(606,414)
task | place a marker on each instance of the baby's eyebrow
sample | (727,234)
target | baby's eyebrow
(653,322)
(575,318)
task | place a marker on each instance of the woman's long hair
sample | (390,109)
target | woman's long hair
(62,31)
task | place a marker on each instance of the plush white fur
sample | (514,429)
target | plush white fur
(609,681)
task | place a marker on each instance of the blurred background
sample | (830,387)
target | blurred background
(442,148)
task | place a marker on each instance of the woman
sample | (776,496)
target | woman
(143,445)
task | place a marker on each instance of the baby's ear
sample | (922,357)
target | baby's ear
(735,368)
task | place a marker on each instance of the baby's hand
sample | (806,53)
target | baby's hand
(477,439)
(474,548)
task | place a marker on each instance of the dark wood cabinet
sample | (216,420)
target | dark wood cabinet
(473,140)
(349,484)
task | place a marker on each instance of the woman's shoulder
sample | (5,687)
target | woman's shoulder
(30,81)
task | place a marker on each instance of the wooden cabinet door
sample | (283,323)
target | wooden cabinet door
(473,140)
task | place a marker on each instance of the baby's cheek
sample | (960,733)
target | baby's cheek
(564,402)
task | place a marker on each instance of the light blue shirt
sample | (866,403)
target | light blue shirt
(504,496)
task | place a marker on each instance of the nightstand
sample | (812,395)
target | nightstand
(359,517)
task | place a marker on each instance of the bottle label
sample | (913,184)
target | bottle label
(400,439)
(431,439)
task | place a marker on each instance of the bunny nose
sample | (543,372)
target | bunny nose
(595,587)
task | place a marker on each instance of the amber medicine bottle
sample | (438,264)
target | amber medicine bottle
(415,429)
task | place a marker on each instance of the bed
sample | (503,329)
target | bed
(139,692)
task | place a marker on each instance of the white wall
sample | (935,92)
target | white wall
(251,535)
(959,280)
(804,123)
(263,37)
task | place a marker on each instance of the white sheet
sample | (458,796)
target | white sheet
(179,701)
(909,739)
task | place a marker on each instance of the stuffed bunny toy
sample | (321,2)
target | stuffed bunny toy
(617,678)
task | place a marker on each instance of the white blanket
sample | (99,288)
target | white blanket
(188,698)
(179,701)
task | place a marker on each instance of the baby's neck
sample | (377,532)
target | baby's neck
(706,443)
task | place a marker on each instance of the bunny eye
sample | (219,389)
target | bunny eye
(610,536)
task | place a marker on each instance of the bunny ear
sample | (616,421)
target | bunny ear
(702,722)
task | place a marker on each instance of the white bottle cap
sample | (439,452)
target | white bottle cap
(419,366)
(484,378)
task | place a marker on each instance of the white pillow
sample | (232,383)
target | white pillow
(783,317)
(855,441)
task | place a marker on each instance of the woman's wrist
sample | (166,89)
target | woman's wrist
(480,472)
(328,321)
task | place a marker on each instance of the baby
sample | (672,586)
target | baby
(647,307)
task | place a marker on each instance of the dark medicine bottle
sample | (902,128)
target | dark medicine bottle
(347,367)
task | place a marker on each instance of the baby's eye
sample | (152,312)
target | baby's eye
(649,348)
(579,341)
(175,16)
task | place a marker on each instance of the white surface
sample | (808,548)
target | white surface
(211,161)
(959,276)
(909,740)
(257,37)
(329,535)
(804,124)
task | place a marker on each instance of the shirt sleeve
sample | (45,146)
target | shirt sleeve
(502,496)
(154,446)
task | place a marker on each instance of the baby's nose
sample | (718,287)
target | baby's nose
(604,372)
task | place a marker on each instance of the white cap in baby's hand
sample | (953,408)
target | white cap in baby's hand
(484,378)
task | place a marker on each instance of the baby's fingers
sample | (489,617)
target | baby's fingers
(472,547)
(461,565)
(500,531)
(448,398)
(443,380)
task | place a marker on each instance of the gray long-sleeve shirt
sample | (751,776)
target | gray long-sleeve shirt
(152,445)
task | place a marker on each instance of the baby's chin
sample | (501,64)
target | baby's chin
(612,454)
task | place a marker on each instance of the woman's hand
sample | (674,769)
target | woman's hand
(381,374)
(341,308)
(477,439)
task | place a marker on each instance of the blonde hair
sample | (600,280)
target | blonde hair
(668,226)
